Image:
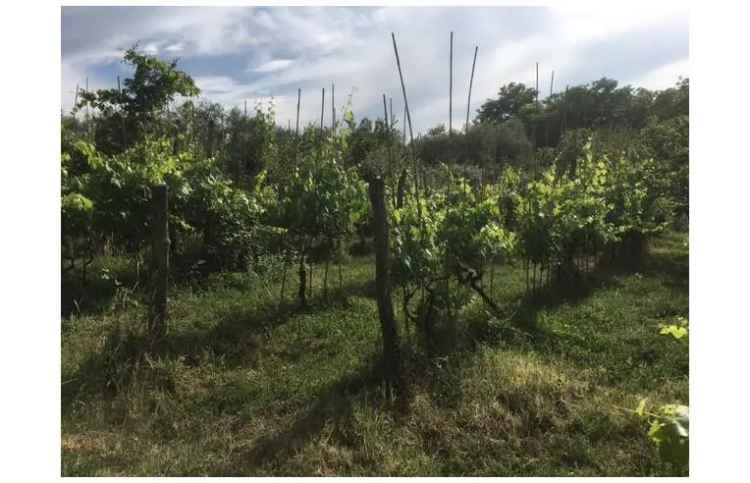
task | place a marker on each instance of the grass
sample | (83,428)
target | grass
(246,385)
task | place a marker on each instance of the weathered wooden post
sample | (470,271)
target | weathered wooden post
(160,254)
(391,345)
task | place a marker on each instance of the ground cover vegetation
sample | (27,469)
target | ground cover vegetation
(510,298)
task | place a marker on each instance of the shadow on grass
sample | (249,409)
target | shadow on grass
(519,323)
(235,339)
(333,408)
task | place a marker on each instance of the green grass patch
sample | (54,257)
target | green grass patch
(248,384)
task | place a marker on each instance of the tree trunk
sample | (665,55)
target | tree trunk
(391,354)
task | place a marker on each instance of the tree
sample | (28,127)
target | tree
(510,101)
(127,114)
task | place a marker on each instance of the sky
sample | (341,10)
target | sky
(254,54)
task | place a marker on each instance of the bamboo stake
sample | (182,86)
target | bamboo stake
(385,111)
(299,98)
(537,82)
(75,99)
(450,92)
(122,119)
(333,109)
(471,83)
(388,130)
(322,110)
(403,129)
(564,119)
(393,119)
(403,89)
(411,131)
(88,113)
(552,84)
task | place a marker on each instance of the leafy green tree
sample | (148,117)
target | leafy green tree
(249,143)
(126,115)
(511,99)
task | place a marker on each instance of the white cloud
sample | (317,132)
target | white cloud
(178,47)
(665,76)
(274,65)
(311,48)
(152,48)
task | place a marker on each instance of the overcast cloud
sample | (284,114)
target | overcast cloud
(249,53)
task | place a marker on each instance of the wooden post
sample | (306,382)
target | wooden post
(299,97)
(333,109)
(450,92)
(537,82)
(245,107)
(160,254)
(391,352)
(471,83)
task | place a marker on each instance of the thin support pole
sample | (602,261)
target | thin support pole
(471,83)
(552,84)
(122,119)
(299,98)
(393,118)
(385,111)
(403,88)
(322,110)
(75,99)
(403,129)
(450,91)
